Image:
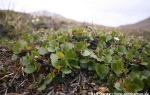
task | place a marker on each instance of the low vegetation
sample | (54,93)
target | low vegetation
(77,60)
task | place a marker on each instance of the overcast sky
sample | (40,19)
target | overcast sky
(104,12)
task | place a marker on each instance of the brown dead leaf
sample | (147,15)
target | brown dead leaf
(102,89)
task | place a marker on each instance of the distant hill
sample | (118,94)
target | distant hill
(38,20)
(59,21)
(47,13)
(144,24)
(141,28)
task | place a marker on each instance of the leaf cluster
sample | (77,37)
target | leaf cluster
(111,56)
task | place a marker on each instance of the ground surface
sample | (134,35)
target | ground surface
(76,83)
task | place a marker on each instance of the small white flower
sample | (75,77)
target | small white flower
(116,38)
(35,56)
(33,20)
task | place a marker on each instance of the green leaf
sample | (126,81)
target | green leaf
(35,38)
(44,44)
(122,49)
(29,69)
(83,65)
(129,56)
(132,75)
(55,63)
(117,58)
(51,49)
(42,87)
(110,52)
(52,46)
(14,57)
(66,70)
(53,43)
(93,55)
(35,53)
(33,85)
(42,51)
(54,56)
(17,47)
(66,46)
(91,65)
(101,70)
(48,78)
(86,53)
(63,62)
(139,82)
(109,37)
(117,67)
(25,61)
(148,81)
(59,54)
(80,46)
(108,59)
(3,40)
(58,63)
(100,51)
(117,86)
(131,87)
(70,54)
(74,63)
(57,49)
(103,38)
(144,63)
(84,60)
(23,43)
(61,38)
(146,73)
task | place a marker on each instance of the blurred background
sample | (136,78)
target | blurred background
(128,16)
(104,12)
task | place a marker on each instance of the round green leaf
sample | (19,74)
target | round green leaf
(54,56)
(51,49)
(86,53)
(117,67)
(55,63)
(74,64)
(101,70)
(25,61)
(131,87)
(42,51)
(129,56)
(117,86)
(144,63)
(60,54)
(84,60)
(14,57)
(110,52)
(108,58)
(66,70)
(29,69)
(100,51)
(139,82)
(42,87)
(66,46)
(70,54)
(80,46)
(122,49)
(108,37)
(17,47)
(61,38)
